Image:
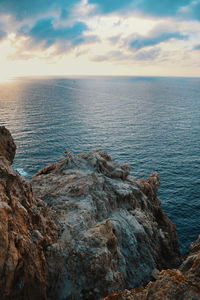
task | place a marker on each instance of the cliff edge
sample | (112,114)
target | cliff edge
(84,228)
(26,229)
(177,284)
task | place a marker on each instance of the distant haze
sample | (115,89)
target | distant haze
(100,37)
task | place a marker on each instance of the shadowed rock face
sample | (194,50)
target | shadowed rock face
(26,230)
(180,284)
(7,145)
(114,232)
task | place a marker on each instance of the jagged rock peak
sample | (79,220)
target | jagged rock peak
(98,161)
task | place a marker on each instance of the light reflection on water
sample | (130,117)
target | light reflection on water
(151,123)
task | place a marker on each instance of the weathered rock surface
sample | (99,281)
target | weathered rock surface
(88,229)
(7,145)
(26,230)
(177,284)
(114,232)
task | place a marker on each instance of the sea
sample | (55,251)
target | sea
(152,123)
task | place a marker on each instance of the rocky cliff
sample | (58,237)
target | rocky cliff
(26,229)
(83,228)
(176,284)
(114,232)
(7,146)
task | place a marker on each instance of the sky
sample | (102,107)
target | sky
(100,37)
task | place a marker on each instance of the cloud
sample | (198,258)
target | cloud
(59,40)
(183,9)
(114,39)
(161,8)
(115,55)
(45,23)
(44,32)
(3,34)
(196,10)
(107,6)
(140,42)
(100,58)
(53,27)
(191,11)
(139,47)
(24,9)
(162,32)
(151,7)
(147,54)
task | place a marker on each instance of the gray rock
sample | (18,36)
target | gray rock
(114,232)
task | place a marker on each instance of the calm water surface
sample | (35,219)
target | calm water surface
(151,123)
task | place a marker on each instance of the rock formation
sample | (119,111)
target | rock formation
(7,145)
(114,232)
(86,230)
(177,284)
(26,230)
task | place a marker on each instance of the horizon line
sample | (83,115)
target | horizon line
(101,75)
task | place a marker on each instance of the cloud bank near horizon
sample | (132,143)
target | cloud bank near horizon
(111,31)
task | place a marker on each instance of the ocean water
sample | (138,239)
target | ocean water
(151,123)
